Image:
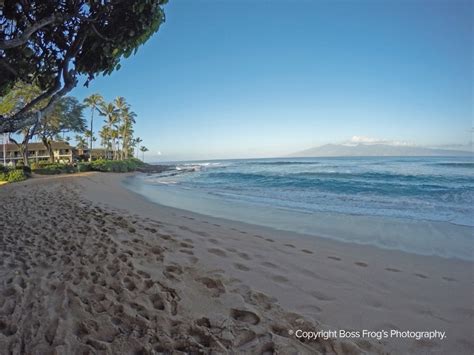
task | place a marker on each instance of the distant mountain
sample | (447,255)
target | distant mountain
(338,150)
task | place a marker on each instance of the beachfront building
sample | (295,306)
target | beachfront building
(97,153)
(62,151)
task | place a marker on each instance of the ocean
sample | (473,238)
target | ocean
(407,201)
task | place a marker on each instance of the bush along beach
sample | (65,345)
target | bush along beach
(12,175)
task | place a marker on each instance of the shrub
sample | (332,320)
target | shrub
(52,168)
(16,175)
(115,166)
(26,169)
(84,167)
(47,171)
(40,164)
(3,176)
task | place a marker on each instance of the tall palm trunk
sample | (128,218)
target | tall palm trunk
(125,142)
(92,135)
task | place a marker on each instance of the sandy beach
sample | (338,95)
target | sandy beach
(89,267)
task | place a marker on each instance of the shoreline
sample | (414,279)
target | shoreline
(358,260)
(334,226)
(334,285)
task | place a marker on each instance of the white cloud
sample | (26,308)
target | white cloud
(370,140)
(363,139)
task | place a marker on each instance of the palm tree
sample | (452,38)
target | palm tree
(81,142)
(104,134)
(136,143)
(114,134)
(143,150)
(93,101)
(89,137)
(128,118)
(110,112)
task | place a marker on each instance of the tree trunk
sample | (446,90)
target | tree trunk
(49,147)
(125,144)
(23,146)
(25,153)
(92,135)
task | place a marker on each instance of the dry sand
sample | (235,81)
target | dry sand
(88,267)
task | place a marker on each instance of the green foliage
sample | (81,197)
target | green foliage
(12,175)
(20,95)
(45,168)
(67,116)
(39,164)
(80,37)
(16,175)
(26,169)
(116,166)
(81,142)
(81,167)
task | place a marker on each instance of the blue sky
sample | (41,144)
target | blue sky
(254,78)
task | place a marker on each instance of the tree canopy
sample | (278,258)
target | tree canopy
(67,116)
(52,43)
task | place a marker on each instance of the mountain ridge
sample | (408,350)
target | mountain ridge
(335,150)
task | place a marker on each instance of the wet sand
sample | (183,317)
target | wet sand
(89,267)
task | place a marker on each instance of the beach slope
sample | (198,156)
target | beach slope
(88,266)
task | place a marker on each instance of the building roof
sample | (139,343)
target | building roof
(11,147)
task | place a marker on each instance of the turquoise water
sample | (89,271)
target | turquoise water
(411,189)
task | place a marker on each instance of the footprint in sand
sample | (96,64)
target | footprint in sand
(218,252)
(289,245)
(321,296)
(421,276)
(361,264)
(307,251)
(446,278)
(165,237)
(269,240)
(279,278)
(391,269)
(202,234)
(334,258)
(244,256)
(157,302)
(215,285)
(244,316)
(7,329)
(176,269)
(143,274)
(241,267)
(269,264)
(186,245)
(156,250)
(129,284)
